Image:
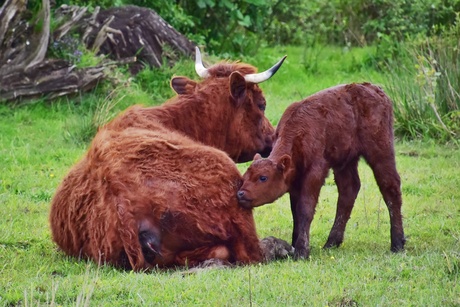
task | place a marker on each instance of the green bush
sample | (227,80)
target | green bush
(223,26)
(242,26)
(425,82)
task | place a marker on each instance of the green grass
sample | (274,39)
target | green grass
(39,143)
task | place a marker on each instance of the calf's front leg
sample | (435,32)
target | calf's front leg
(305,210)
(294,199)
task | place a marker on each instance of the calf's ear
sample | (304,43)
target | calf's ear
(284,162)
(183,85)
(257,156)
(237,87)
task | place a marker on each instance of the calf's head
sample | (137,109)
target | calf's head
(230,106)
(265,181)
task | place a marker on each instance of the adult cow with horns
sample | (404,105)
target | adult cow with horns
(225,110)
(155,190)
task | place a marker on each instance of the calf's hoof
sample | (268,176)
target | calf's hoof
(274,248)
(331,244)
(398,246)
(301,253)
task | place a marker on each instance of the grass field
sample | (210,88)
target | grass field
(39,143)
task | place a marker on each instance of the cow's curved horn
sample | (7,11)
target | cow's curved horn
(199,67)
(264,76)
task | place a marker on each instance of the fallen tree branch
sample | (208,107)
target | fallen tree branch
(53,78)
(40,43)
(128,35)
(77,14)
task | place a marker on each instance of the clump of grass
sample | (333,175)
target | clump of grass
(425,84)
(155,81)
(38,296)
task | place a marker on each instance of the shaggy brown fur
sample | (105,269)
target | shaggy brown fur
(330,129)
(135,176)
(103,207)
(223,111)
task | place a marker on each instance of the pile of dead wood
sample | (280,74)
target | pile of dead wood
(126,35)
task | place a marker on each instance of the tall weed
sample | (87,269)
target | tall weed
(425,83)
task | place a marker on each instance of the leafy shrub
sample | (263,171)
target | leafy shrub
(234,26)
(222,25)
(425,83)
(241,26)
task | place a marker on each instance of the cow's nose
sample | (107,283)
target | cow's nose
(240,194)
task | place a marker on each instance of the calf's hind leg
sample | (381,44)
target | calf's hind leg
(389,183)
(348,185)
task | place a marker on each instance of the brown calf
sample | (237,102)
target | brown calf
(330,129)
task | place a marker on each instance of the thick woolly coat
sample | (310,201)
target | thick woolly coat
(150,166)
(187,190)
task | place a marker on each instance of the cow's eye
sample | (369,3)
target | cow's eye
(263,178)
(262,107)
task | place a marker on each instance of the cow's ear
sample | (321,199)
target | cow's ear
(183,85)
(237,87)
(284,162)
(257,156)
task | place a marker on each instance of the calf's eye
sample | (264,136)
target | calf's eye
(263,178)
(262,107)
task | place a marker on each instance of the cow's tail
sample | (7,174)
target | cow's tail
(129,235)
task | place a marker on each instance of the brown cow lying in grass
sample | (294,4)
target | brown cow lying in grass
(107,201)
(330,129)
(165,189)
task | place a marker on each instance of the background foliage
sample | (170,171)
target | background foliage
(414,43)
(241,25)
